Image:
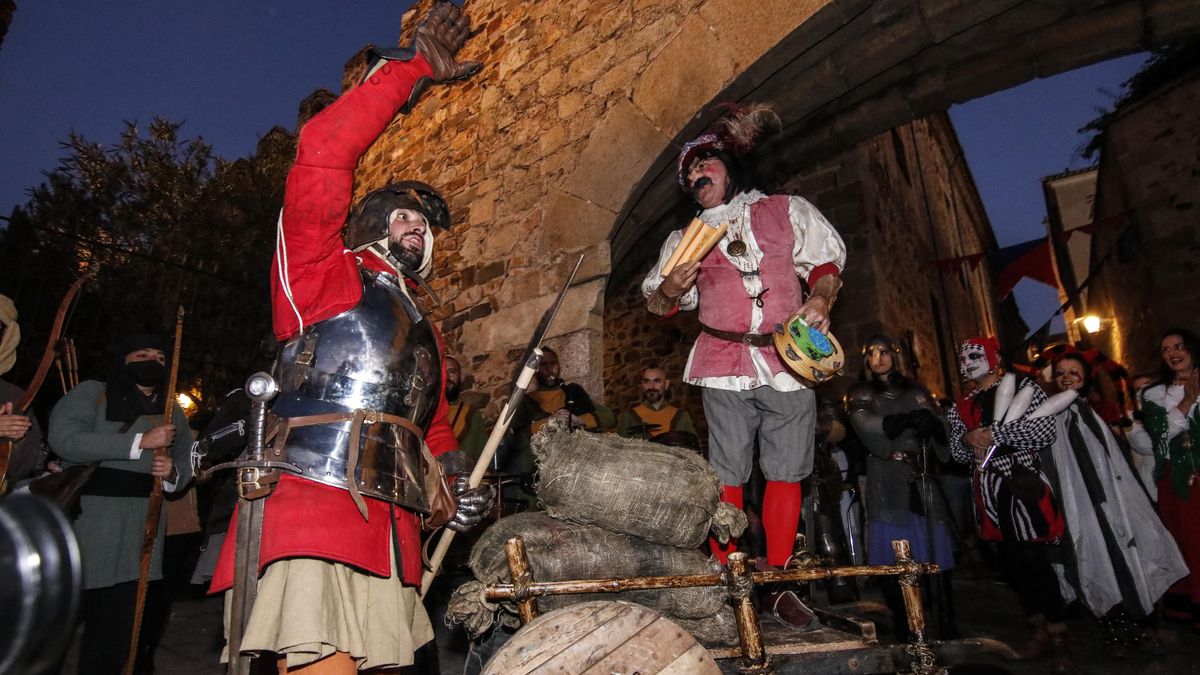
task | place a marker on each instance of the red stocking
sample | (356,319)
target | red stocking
(733,495)
(781,520)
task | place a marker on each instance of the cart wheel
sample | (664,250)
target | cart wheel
(603,636)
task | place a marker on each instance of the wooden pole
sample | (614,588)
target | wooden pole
(741,587)
(154,505)
(522,576)
(919,650)
(485,459)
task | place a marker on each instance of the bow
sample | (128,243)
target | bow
(39,376)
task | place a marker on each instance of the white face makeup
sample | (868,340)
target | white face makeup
(973,361)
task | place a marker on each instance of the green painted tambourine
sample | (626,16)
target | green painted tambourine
(811,354)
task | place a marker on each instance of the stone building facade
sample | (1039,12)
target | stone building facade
(1148,215)
(563,144)
(900,200)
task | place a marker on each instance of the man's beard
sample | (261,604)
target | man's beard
(548,381)
(652,396)
(452,392)
(409,260)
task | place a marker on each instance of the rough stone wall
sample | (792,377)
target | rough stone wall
(1149,170)
(550,151)
(900,200)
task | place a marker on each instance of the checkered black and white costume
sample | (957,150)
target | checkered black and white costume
(1000,515)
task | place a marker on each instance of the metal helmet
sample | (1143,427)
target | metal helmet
(368,222)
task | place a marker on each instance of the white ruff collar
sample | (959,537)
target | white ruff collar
(732,210)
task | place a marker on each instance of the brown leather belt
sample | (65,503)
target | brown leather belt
(755,339)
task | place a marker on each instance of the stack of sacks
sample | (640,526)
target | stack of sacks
(614,508)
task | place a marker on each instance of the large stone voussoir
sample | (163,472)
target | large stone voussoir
(621,148)
(511,327)
(752,28)
(689,72)
(570,223)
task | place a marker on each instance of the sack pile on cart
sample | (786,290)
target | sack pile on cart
(614,508)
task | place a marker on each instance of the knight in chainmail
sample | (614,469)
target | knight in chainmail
(896,420)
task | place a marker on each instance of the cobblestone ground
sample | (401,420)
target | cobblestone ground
(986,608)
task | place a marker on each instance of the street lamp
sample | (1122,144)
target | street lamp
(1092,323)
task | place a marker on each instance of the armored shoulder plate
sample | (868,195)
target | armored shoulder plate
(860,397)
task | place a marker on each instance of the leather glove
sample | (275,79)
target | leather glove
(438,39)
(473,505)
(927,425)
(894,425)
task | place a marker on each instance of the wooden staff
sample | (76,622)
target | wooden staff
(154,508)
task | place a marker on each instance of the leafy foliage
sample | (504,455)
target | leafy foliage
(165,223)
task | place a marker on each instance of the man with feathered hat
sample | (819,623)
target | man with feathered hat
(779,256)
(362,390)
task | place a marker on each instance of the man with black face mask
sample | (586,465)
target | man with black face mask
(118,425)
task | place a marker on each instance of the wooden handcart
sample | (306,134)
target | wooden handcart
(843,644)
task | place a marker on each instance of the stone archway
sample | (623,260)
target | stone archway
(564,144)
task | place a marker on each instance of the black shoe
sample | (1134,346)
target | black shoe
(787,607)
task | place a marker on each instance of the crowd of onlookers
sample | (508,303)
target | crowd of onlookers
(1081,496)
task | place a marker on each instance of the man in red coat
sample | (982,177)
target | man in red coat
(362,388)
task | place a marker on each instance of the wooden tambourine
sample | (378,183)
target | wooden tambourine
(811,354)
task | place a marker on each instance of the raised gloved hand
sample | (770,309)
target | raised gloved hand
(926,424)
(473,504)
(438,39)
(894,425)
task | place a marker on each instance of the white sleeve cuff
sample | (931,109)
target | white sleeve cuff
(169,486)
(135,452)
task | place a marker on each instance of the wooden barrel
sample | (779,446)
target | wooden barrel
(600,638)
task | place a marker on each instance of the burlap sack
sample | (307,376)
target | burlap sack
(659,493)
(560,550)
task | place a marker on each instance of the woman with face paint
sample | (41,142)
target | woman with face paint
(1117,559)
(1171,432)
(118,425)
(1014,504)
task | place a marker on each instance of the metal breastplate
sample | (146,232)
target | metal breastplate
(380,356)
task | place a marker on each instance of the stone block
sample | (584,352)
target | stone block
(572,223)
(753,28)
(511,327)
(621,147)
(679,82)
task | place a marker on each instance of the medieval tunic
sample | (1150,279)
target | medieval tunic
(901,503)
(786,239)
(110,527)
(1173,437)
(330,575)
(646,422)
(469,429)
(1115,549)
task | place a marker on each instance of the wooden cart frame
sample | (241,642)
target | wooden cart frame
(754,654)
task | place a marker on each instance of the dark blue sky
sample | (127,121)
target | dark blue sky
(229,69)
(1015,137)
(233,69)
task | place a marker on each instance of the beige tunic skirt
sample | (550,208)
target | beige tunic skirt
(308,609)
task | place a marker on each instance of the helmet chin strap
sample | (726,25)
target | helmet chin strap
(380,248)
